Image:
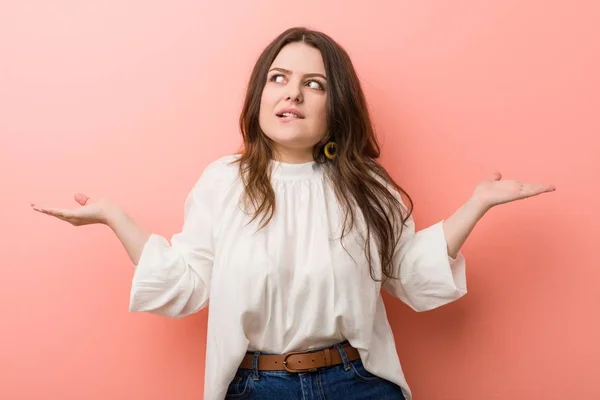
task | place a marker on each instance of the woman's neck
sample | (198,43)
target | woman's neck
(293,156)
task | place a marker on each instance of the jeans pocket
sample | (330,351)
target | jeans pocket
(239,388)
(361,374)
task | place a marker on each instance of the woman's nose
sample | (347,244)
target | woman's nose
(294,94)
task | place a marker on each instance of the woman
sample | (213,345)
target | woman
(293,239)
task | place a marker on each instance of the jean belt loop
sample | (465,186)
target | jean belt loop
(342,352)
(255,374)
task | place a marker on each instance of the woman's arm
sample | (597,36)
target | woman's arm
(486,195)
(460,225)
(131,235)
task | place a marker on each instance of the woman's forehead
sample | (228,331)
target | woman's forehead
(299,58)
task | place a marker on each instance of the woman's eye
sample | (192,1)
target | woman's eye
(315,85)
(277,78)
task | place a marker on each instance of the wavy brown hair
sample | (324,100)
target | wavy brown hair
(361,184)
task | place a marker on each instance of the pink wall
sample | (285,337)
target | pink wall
(132,101)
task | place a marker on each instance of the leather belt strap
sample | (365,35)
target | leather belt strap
(301,361)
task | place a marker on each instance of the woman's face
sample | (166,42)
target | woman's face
(293,112)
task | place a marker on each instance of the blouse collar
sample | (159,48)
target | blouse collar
(295,171)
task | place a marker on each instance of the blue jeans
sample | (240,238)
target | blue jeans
(347,381)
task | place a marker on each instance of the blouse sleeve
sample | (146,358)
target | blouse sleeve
(173,279)
(428,276)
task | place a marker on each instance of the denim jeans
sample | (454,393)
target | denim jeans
(347,381)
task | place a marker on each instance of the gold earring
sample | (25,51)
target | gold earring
(330,150)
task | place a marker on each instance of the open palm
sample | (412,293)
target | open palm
(89,212)
(497,191)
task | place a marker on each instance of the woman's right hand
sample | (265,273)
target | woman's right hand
(90,212)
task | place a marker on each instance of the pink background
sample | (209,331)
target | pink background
(131,100)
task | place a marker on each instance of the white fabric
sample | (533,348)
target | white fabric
(291,286)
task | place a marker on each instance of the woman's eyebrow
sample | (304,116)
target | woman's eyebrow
(287,71)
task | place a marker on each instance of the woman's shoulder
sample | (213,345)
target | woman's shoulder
(222,169)
(217,179)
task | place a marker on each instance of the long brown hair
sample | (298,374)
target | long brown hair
(359,181)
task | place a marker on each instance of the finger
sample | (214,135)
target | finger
(533,189)
(55,212)
(543,188)
(540,187)
(81,198)
(496,176)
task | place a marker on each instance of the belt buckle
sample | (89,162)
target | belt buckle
(288,369)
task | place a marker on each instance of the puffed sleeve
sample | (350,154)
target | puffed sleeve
(173,279)
(428,276)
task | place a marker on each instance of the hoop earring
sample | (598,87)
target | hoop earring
(330,150)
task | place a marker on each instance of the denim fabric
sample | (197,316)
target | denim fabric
(348,381)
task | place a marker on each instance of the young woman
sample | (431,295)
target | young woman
(294,238)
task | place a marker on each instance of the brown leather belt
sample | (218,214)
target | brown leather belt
(301,361)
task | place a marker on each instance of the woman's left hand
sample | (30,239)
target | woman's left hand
(495,191)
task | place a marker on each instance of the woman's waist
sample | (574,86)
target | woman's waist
(301,360)
(272,342)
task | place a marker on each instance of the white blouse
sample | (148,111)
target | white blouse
(290,286)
